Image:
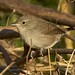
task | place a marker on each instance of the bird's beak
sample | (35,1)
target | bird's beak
(14,24)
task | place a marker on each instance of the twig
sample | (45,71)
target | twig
(59,50)
(5,54)
(45,52)
(8,32)
(7,68)
(7,23)
(43,12)
(28,56)
(49,60)
(69,62)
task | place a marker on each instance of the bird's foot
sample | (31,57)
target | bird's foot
(41,52)
(32,54)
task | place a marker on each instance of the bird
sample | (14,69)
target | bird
(37,32)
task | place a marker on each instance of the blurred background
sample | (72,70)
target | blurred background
(60,5)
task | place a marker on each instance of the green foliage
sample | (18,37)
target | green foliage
(46,3)
(17,42)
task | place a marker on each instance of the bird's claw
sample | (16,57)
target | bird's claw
(32,54)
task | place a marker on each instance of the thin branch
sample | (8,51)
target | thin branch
(69,62)
(8,32)
(12,69)
(40,11)
(5,54)
(22,60)
(45,52)
(7,68)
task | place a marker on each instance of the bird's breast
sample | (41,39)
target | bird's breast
(38,40)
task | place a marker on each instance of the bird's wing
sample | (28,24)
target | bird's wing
(48,28)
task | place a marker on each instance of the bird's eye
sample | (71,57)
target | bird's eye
(23,22)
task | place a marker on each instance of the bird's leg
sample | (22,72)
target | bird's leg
(32,54)
(41,51)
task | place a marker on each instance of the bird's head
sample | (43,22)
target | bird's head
(25,22)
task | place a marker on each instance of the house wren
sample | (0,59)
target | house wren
(41,33)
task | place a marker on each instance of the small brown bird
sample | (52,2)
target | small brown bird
(37,32)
